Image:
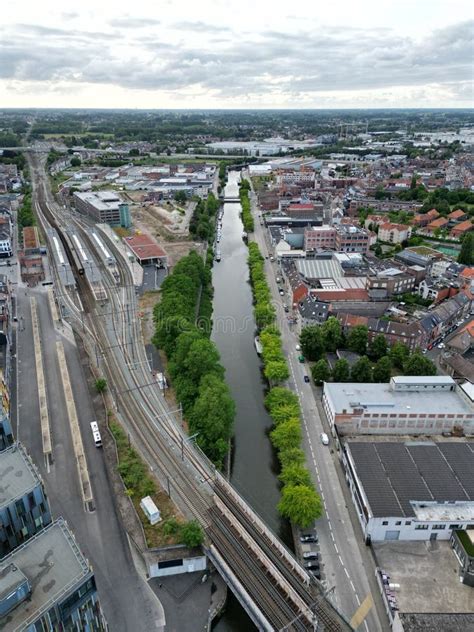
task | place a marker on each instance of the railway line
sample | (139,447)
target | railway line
(285,597)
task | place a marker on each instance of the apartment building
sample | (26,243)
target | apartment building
(352,239)
(394,233)
(320,237)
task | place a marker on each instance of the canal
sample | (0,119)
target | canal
(254,467)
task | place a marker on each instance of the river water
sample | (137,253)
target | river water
(254,467)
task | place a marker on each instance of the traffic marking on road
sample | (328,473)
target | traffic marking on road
(362,612)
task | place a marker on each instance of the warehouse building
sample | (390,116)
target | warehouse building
(104,207)
(47,584)
(24,507)
(411,490)
(407,405)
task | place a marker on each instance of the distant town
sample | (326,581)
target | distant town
(237,370)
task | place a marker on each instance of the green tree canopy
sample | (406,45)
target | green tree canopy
(398,354)
(341,371)
(75,161)
(378,347)
(300,504)
(280,396)
(312,343)
(191,534)
(287,435)
(295,474)
(362,370)
(291,456)
(466,255)
(276,371)
(332,334)
(357,339)
(321,371)
(212,417)
(383,370)
(417,364)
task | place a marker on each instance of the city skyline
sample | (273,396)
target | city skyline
(205,56)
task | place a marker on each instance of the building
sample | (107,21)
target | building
(457,216)
(313,312)
(5,243)
(31,242)
(437,225)
(394,233)
(411,490)
(47,584)
(461,229)
(320,237)
(463,547)
(431,621)
(103,206)
(24,506)
(145,250)
(407,405)
(352,239)
(389,282)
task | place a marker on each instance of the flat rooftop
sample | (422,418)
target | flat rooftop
(428,574)
(53,565)
(100,200)
(18,475)
(395,475)
(144,247)
(380,398)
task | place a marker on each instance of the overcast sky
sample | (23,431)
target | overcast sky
(236,53)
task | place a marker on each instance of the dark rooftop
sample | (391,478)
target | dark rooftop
(437,622)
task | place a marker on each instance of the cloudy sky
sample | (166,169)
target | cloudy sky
(236,53)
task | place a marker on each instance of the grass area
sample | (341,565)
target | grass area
(122,232)
(138,482)
(466,542)
(422,250)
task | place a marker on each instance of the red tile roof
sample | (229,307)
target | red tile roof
(144,247)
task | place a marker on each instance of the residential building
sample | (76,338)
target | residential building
(461,229)
(48,584)
(394,233)
(313,312)
(5,243)
(437,224)
(389,282)
(410,490)
(24,506)
(457,216)
(407,405)
(436,291)
(101,206)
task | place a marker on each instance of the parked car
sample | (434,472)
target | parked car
(324,438)
(316,572)
(298,347)
(301,358)
(310,555)
(287,309)
(306,379)
(308,537)
(282,292)
(312,566)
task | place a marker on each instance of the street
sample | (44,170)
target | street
(347,561)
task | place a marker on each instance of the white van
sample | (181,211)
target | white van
(324,438)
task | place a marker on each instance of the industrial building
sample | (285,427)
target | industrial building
(104,207)
(145,250)
(24,506)
(47,584)
(407,405)
(411,490)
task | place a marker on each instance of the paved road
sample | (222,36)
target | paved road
(125,596)
(347,562)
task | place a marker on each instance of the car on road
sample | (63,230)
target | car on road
(282,292)
(306,378)
(309,537)
(301,358)
(324,438)
(272,258)
(287,309)
(441,345)
(298,347)
(310,555)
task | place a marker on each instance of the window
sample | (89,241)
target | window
(438,527)
(385,523)
(420,527)
(398,523)
(454,526)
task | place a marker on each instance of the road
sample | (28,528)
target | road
(347,562)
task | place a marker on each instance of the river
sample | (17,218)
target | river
(254,466)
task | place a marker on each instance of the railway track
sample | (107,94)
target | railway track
(163,445)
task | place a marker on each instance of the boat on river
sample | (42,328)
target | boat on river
(258,345)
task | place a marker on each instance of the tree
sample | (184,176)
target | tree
(321,371)
(383,370)
(212,417)
(180,196)
(134,152)
(287,435)
(466,254)
(192,534)
(291,456)
(295,474)
(280,396)
(399,354)
(341,371)
(362,370)
(357,339)
(332,334)
(312,343)
(417,364)
(75,161)
(300,504)
(378,347)
(100,385)
(276,371)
